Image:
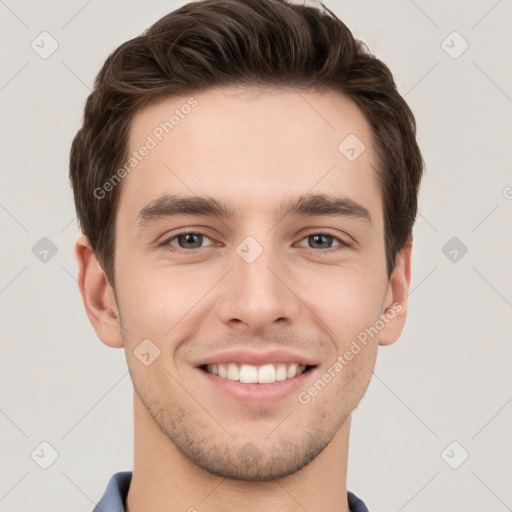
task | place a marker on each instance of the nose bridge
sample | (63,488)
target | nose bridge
(255,292)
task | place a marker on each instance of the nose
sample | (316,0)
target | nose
(258,295)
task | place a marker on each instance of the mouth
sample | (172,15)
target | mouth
(251,374)
(251,385)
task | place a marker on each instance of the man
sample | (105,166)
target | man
(264,135)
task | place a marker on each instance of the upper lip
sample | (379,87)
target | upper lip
(257,358)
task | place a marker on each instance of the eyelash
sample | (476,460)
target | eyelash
(167,246)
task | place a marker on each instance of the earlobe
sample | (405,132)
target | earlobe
(97,295)
(395,303)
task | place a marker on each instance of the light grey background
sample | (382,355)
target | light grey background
(447,379)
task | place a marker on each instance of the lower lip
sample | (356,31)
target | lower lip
(258,393)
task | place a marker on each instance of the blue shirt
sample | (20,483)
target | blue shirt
(117,489)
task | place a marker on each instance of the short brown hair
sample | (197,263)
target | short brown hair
(210,43)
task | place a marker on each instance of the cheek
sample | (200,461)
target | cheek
(140,299)
(347,300)
(156,303)
(158,300)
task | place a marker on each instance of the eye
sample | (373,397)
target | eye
(188,240)
(193,240)
(325,242)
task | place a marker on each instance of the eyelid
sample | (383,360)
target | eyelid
(167,241)
(343,244)
(341,236)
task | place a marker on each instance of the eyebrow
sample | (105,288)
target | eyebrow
(307,205)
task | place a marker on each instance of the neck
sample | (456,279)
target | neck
(164,480)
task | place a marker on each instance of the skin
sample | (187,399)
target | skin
(249,149)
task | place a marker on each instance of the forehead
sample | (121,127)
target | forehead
(250,148)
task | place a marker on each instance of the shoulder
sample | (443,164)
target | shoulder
(113,500)
(356,504)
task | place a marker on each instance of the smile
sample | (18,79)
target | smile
(251,374)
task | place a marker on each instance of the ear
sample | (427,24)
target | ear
(97,295)
(395,303)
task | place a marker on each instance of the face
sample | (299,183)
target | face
(246,286)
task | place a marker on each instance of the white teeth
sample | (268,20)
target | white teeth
(233,372)
(292,370)
(213,369)
(281,372)
(251,374)
(248,373)
(266,373)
